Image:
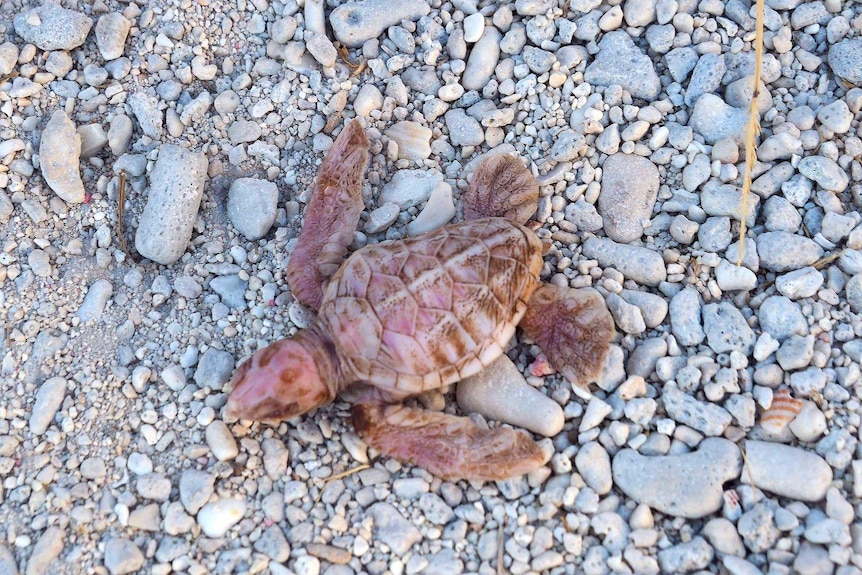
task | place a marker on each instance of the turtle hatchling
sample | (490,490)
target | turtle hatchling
(407,316)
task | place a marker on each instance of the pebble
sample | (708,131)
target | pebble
(825,172)
(392,529)
(40,263)
(784,251)
(685,317)
(321,48)
(731,277)
(7,561)
(853,291)
(782,318)
(652,307)
(464,130)
(716,120)
(214,369)
(437,212)
(251,206)
(708,418)
(367,100)
(483,60)
(726,329)
(688,485)
(686,557)
(642,265)
(176,189)
(119,134)
(809,425)
(59,154)
(706,77)
(94,302)
(122,556)
(594,464)
(111,32)
(231,289)
(409,188)
(836,117)
(629,190)
(52,27)
(500,392)
(786,471)
(49,398)
(196,488)
(628,317)
(845,59)
(357,22)
(47,548)
(221,441)
(146,110)
(8,58)
(619,62)
(215,519)
(413,139)
(474,25)
(380,219)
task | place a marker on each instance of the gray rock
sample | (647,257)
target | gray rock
(726,330)
(147,112)
(6,207)
(801,283)
(714,234)
(463,130)
(483,59)
(111,32)
(8,58)
(639,264)
(853,291)
(94,302)
(392,529)
(49,398)
(231,289)
(708,418)
(784,251)
(795,353)
(687,485)
(680,62)
(781,146)
(786,471)
(356,22)
(500,392)
(685,317)
(214,369)
(273,544)
(122,556)
(726,200)
(797,190)
(780,215)
(241,131)
(120,134)
(176,189)
(706,78)
(845,59)
(319,46)
(643,359)
(59,154)
(836,116)
(594,465)
(584,216)
(52,27)
(40,263)
(629,190)
(196,488)
(47,548)
(653,308)
(715,120)
(409,188)
(781,318)
(620,62)
(251,206)
(8,566)
(825,172)
(628,317)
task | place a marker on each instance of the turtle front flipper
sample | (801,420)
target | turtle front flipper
(331,216)
(501,187)
(449,447)
(573,327)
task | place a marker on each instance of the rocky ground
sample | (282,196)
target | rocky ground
(723,435)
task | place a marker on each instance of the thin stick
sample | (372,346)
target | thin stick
(338,476)
(752,130)
(121,198)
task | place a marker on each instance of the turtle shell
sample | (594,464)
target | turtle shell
(416,314)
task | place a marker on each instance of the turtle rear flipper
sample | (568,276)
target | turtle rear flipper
(501,187)
(449,447)
(573,327)
(331,216)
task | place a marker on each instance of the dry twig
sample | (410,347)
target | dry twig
(121,207)
(752,130)
(338,476)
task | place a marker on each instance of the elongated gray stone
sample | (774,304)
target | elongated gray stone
(640,264)
(483,59)
(629,190)
(49,398)
(176,189)
(356,22)
(500,392)
(59,154)
(687,485)
(707,418)
(786,471)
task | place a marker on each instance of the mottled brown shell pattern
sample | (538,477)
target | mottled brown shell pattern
(428,311)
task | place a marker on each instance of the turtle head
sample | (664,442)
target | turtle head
(281,381)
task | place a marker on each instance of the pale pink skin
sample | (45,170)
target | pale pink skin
(294,376)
